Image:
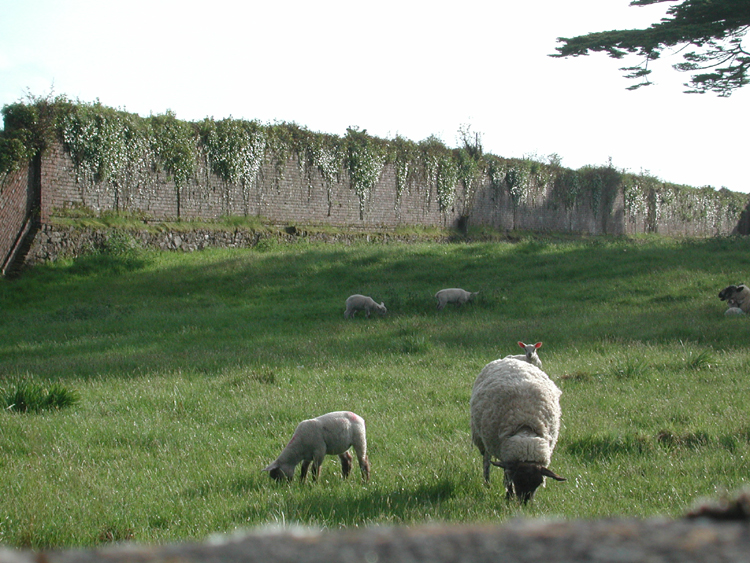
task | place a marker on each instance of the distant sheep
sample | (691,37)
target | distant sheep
(358,302)
(453,295)
(515,418)
(530,354)
(330,434)
(736,296)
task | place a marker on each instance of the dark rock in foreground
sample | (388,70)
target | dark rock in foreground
(684,541)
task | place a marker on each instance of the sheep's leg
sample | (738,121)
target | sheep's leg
(346,464)
(508,486)
(364,465)
(303,470)
(317,461)
(486,463)
(359,442)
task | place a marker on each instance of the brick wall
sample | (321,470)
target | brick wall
(283,194)
(15,201)
(287,193)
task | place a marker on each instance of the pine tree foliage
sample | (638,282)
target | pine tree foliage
(708,33)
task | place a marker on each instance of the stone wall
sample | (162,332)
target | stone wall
(600,541)
(53,242)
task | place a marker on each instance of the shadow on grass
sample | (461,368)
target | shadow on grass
(605,447)
(120,315)
(321,505)
(593,448)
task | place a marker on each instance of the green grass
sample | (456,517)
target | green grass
(191,371)
(31,396)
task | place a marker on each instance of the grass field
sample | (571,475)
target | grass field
(192,371)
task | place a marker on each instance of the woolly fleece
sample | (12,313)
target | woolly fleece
(515,412)
(329,434)
(358,302)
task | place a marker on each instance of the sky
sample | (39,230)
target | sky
(410,68)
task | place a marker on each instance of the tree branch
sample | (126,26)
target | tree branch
(717,26)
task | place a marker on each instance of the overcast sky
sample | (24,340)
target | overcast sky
(404,67)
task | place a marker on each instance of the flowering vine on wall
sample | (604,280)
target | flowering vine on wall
(123,155)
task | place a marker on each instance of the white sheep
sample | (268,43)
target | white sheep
(530,354)
(358,302)
(515,418)
(329,434)
(736,296)
(453,295)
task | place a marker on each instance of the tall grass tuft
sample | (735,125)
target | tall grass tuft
(29,396)
(704,360)
(630,368)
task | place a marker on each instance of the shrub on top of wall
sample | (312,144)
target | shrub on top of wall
(29,127)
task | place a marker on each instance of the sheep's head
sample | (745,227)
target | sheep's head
(730,292)
(381,308)
(522,478)
(279,472)
(530,350)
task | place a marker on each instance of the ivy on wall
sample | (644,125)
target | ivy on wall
(470,170)
(235,149)
(518,181)
(174,144)
(403,155)
(364,162)
(111,150)
(118,152)
(323,154)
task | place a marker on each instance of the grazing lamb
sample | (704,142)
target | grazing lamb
(515,417)
(736,296)
(530,356)
(330,434)
(454,295)
(358,302)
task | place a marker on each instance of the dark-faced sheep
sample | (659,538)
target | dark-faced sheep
(515,418)
(736,296)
